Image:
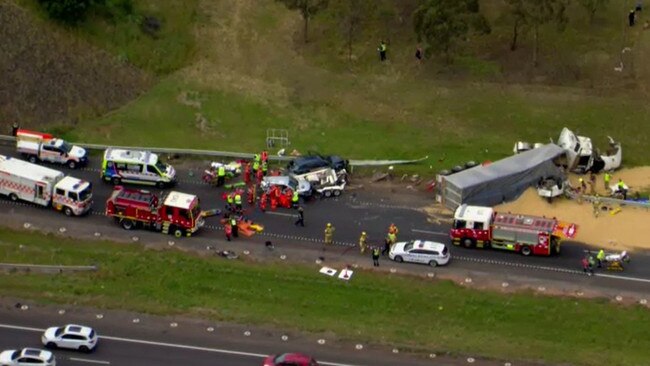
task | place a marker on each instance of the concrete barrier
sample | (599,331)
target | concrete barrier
(41,268)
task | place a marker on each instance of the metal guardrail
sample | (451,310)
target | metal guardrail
(45,268)
(609,200)
(223,154)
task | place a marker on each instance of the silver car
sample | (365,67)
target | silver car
(295,184)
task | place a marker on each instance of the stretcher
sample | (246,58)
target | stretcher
(614,261)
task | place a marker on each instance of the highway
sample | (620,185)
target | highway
(353,212)
(152,341)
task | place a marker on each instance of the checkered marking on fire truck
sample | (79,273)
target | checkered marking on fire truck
(17,187)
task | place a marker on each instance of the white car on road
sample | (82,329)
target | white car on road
(27,356)
(71,336)
(420,251)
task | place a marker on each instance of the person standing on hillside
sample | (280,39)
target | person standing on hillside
(419,54)
(382,51)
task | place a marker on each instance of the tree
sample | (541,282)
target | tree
(534,14)
(442,22)
(352,16)
(67,11)
(591,6)
(307,8)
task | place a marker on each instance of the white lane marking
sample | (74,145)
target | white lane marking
(430,232)
(171,345)
(622,277)
(280,214)
(89,361)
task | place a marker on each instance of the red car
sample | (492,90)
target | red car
(290,359)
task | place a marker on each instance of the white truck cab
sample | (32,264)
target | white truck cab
(36,146)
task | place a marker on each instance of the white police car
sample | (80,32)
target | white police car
(71,336)
(27,356)
(420,251)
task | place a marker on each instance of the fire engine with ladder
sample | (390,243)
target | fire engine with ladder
(176,213)
(20,180)
(482,227)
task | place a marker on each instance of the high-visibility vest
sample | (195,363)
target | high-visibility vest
(256,165)
(230,198)
(608,177)
(238,199)
(621,185)
(257,158)
(222,171)
(601,255)
(264,166)
(233,222)
(375,252)
(295,197)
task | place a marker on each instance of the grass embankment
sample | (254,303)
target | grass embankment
(249,73)
(407,313)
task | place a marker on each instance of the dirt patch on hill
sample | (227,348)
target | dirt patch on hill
(50,77)
(627,229)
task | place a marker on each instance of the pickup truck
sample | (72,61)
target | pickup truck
(36,146)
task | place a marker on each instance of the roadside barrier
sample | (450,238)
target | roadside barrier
(44,268)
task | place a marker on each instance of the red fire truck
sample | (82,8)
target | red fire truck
(482,227)
(179,213)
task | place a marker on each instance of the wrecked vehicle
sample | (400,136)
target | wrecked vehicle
(580,155)
(327,182)
(305,164)
(285,182)
(550,188)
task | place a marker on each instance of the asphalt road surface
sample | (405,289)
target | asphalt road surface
(152,341)
(353,212)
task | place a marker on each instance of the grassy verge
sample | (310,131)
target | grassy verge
(431,316)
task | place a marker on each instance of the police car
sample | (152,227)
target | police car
(420,251)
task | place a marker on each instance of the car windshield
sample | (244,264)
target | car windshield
(162,167)
(58,332)
(196,211)
(408,246)
(15,355)
(66,146)
(444,250)
(293,183)
(280,358)
(86,193)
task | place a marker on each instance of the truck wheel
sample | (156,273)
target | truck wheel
(116,181)
(433,263)
(468,243)
(328,193)
(32,159)
(337,193)
(399,259)
(68,211)
(72,164)
(178,233)
(160,185)
(525,250)
(128,224)
(13,197)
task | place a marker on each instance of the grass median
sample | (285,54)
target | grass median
(432,316)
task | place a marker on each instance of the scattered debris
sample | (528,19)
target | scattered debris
(379,177)
(228,254)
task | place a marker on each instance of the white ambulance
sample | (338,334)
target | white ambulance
(36,146)
(44,186)
(137,167)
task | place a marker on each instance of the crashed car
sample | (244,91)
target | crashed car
(299,185)
(581,156)
(327,182)
(305,164)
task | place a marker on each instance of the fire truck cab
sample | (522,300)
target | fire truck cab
(179,213)
(482,227)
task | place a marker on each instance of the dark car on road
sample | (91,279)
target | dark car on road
(290,359)
(308,163)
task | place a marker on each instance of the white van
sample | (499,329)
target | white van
(138,167)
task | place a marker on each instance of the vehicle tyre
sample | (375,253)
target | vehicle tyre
(525,250)
(13,197)
(178,233)
(337,193)
(68,211)
(160,185)
(72,164)
(328,193)
(32,159)
(84,349)
(50,345)
(399,259)
(128,224)
(433,264)
(116,181)
(468,243)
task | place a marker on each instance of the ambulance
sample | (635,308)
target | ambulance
(20,180)
(137,167)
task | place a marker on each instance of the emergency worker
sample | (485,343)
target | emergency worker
(375,257)
(228,229)
(247,173)
(231,200)
(607,177)
(329,234)
(620,187)
(363,242)
(392,238)
(597,205)
(238,202)
(601,258)
(221,175)
(235,229)
(256,166)
(295,199)
(265,168)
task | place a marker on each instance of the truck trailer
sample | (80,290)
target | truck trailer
(20,180)
(482,227)
(176,213)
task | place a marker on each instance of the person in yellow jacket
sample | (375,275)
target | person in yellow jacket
(329,234)
(221,175)
(230,199)
(238,201)
(363,242)
(601,258)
